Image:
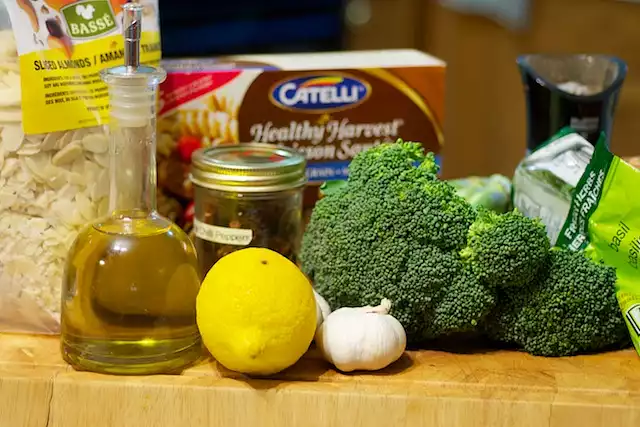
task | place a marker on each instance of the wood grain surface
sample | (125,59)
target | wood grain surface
(428,388)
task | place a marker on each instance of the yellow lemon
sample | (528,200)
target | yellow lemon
(256,312)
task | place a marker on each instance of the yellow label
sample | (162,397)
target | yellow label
(62,91)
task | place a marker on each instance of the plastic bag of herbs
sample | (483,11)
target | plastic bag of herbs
(544,181)
(604,222)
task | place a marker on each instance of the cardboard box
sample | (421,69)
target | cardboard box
(330,106)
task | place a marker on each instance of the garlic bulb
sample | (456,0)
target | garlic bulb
(361,338)
(322,309)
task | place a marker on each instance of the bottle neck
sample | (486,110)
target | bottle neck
(132,130)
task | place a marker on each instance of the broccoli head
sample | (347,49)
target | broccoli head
(569,308)
(394,231)
(506,249)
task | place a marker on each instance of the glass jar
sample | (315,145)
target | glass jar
(247,195)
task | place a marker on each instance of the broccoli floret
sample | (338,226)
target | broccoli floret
(506,249)
(387,161)
(394,231)
(462,306)
(449,298)
(569,308)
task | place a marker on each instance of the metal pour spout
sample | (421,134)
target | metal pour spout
(132,30)
(132,85)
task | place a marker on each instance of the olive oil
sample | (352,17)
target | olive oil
(128,297)
(131,279)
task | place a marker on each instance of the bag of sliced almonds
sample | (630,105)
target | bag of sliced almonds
(53,145)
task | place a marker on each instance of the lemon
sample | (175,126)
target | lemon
(256,312)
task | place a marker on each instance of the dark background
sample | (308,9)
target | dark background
(485,126)
(214,27)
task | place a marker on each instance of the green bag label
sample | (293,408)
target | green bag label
(89,18)
(574,235)
(604,221)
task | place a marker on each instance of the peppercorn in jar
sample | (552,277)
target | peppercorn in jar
(247,195)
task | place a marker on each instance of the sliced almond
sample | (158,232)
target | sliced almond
(40,161)
(56,177)
(8,65)
(66,139)
(78,134)
(12,137)
(85,207)
(44,200)
(91,170)
(10,97)
(20,265)
(51,139)
(63,209)
(95,143)
(67,191)
(11,166)
(76,179)
(37,166)
(78,165)
(100,186)
(101,159)
(67,155)
(12,79)
(11,115)
(7,200)
(35,139)
(46,144)
(28,150)
(103,207)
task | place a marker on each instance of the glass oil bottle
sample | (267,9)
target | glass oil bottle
(131,280)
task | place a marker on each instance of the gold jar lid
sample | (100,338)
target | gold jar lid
(248,167)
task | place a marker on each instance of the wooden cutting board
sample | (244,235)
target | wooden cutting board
(423,389)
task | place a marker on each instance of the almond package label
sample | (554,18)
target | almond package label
(63,45)
(329,106)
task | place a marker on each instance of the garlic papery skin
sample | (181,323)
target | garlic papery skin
(322,309)
(361,338)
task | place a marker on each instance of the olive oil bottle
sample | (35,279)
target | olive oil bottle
(131,280)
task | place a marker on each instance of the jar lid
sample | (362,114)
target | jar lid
(248,167)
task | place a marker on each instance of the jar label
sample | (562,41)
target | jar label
(222,235)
